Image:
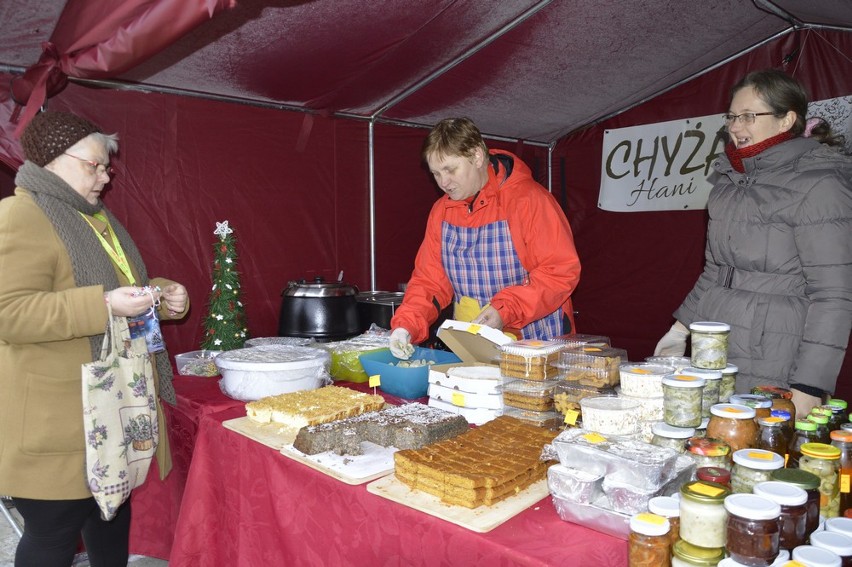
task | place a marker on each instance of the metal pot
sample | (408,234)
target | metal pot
(377,307)
(319,309)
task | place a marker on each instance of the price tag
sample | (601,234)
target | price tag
(651,518)
(594,437)
(767,456)
(458,399)
(592,349)
(706,489)
(571,417)
(473,329)
(844,483)
(375,380)
(640,371)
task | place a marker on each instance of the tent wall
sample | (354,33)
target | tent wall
(638,267)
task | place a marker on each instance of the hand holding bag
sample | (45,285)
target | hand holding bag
(120,417)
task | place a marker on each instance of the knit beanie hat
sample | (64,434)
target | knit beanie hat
(50,133)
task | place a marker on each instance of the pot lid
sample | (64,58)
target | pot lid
(318,288)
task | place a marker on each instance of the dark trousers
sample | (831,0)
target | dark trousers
(52,530)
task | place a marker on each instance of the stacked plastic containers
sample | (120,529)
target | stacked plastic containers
(529,372)
(643,383)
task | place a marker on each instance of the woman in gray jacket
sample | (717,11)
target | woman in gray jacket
(778,260)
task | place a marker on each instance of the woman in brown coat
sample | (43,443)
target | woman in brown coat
(58,270)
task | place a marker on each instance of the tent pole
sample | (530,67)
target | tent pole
(372,187)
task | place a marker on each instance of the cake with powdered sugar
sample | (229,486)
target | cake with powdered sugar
(409,426)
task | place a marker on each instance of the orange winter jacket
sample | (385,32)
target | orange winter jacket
(541,236)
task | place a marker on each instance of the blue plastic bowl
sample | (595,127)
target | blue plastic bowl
(408,383)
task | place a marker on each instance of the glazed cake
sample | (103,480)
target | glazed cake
(410,426)
(311,407)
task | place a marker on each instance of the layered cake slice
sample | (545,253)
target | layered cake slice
(311,407)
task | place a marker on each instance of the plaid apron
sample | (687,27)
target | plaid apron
(482,261)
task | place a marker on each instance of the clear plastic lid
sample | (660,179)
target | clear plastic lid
(751,400)
(705,373)
(581,340)
(752,507)
(663,429)
(532,347)
(760,459)
(709,327)
(683,381)
(530,388)
(783,493)
(646,369)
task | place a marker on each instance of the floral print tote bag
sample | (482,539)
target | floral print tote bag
(120,417)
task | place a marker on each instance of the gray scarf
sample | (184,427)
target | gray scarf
(92,266)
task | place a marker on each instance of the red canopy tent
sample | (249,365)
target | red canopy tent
(300,122)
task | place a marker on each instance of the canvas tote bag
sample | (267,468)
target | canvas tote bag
(120,417)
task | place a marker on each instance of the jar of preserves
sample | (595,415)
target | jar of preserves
(703,517)
(714,474)
(841,407)
(843,440)
(823,434)
(649,544)
(836,543)
(712,385)
(794,514)
(812,556)
(682,396)
(824,460)
(709,344)
(684,554)
(669,508)
(753,534)
(752,466)
(808,482)
(782,398)
(770,436)
(805,432)
(729,383)
(786,426)
(761,405)
(708,452)
(665,435)
(734,424)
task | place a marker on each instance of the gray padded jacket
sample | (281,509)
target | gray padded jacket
(778,264)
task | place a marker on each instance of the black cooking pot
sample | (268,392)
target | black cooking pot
(320,310)
(377,307)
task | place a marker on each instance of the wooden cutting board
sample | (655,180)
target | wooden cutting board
(375,462)
(269,434)
(482,519)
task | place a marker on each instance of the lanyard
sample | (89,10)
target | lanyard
(115,251)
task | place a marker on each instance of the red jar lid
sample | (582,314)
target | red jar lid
(713,474)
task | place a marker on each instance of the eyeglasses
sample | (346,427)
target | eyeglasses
(97,168)
(744,118)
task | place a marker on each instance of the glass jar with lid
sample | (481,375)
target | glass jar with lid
(808,482)
(761,404)
(753,534)
(729,383)
(794,514)
(786,426)
(836,543)
(842,439)
(682,396)
(649,543)
(703,517)
(782,398)
(701,430)
(771,435)
(752,466)
(718,475)
(835,417)
(813,556)
(805,432)
(841,407)
(734,424)
(839,524)
(668,507)
(823,433)
(824,460)
(684,554)
(708,452)
(709,344)
(665,435)
(712,385)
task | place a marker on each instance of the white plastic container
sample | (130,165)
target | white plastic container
(813,556)
(643,380)
(610,416)
(257,372)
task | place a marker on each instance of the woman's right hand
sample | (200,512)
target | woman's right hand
(130,301)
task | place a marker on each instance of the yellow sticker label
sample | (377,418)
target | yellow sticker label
(651,518)
(375,381)
(594,437)
(767,456)
(844,483)
(706,489)
(640,371)
(458,399)
(571,417)
(592,349)
(474,329)
(735,410)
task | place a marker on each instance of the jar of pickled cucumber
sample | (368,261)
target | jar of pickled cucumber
(734,424)
(761,405)
(729,383)
(682,399)
(665,435)
(841,407)
(824,461)
(782,398)
(709,341)
(823,433)
(752,466)
(702,513)
(712,385)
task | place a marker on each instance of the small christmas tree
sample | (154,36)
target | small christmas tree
(225,324)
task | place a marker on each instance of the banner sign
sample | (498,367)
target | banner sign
(665,166)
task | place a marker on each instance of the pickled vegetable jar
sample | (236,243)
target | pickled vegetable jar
(734,424)
(709,344)
(729,383)
(808,482)
(752,466)
(665,435)
(824,461)
(753,535)
(708,452)
(761,405)
(805,432)
(682,400)
(794,514)
(823,434)
(771,435)
(684,554)
(712,385)
(840,406)
(703,517)
(649,544)
(782,398)
(842,439)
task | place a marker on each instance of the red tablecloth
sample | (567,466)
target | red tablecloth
(247,505)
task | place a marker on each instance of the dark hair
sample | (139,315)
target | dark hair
(782,93)
(454,136)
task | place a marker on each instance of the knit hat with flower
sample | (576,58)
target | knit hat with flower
(50,133)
